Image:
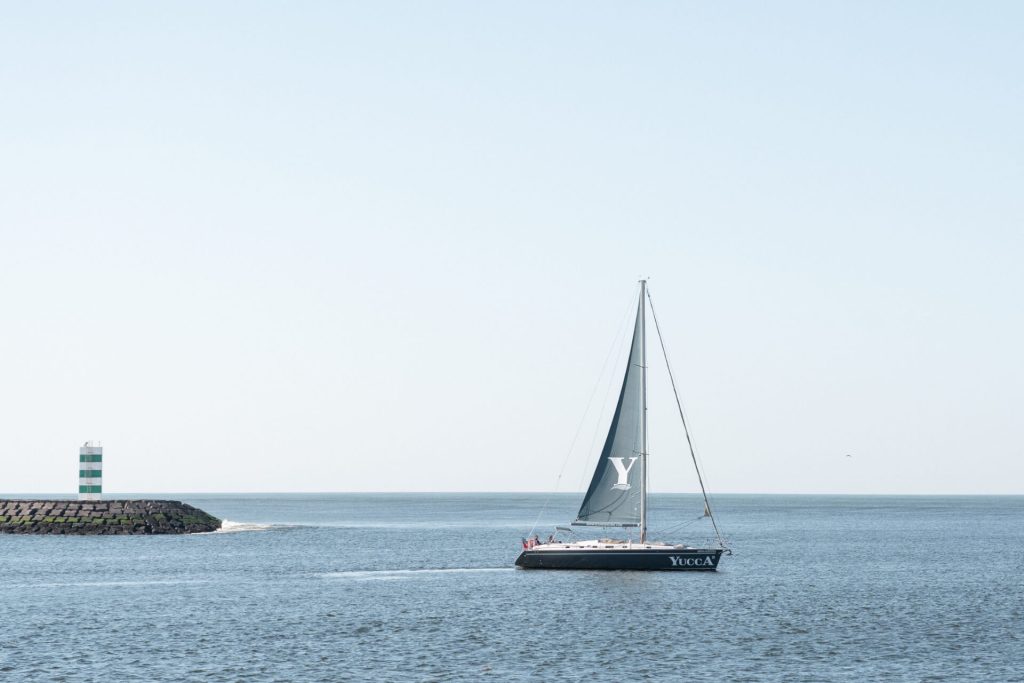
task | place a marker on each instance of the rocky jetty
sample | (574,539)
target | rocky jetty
(103,517)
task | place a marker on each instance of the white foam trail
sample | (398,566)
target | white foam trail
(432,525)
(392,574)
(229,527)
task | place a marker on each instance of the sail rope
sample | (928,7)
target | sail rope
(686,429)
(676,527)
(617,344)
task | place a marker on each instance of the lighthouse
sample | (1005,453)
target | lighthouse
(90,471)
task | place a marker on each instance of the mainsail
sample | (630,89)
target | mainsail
(616,493)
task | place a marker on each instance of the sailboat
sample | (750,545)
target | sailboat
(617,496)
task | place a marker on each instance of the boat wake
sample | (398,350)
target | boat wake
(518,525)
(398,574)
(229,527)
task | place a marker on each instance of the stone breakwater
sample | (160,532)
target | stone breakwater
(103,517)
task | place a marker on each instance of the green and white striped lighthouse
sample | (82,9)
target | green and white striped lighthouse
(90,471)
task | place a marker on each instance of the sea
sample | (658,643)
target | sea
(421,587)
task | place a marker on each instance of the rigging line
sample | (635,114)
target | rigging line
(677,527)
(686,429)
(700,461)
(579,428)
(707,481)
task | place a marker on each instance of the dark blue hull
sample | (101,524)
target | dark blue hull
(655,559)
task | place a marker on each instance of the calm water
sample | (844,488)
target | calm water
(420,587)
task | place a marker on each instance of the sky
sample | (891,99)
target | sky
(391,246)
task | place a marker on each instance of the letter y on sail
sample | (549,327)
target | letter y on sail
(623,472)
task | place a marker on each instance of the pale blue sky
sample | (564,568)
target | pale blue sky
(387,246)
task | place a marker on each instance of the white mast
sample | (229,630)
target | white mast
(643,408)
